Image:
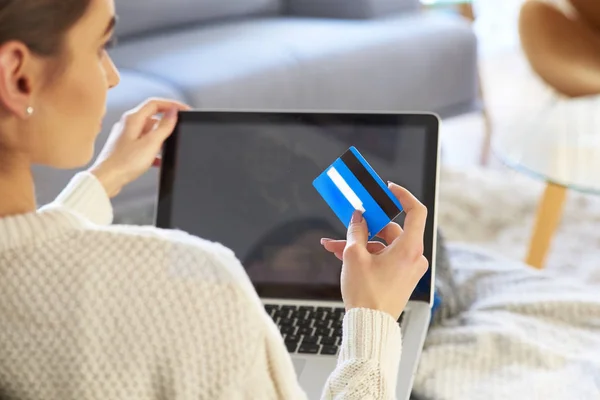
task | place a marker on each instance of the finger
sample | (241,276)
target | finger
(422,267)
(165,127)
(372,247)
(390,232)
(416,215)
(358,234)
(139,115)
(151,124)
(334,246)
(154,103)
(375,247)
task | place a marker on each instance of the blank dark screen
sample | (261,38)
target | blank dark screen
(248,185)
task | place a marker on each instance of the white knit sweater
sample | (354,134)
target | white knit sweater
(90,310)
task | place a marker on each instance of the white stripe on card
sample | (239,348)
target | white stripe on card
(346,190)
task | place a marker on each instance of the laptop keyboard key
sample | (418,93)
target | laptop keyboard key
(321,324)
(297,314)
(305,323)
(325,309)
(306,308)
(306,330)
(308,348)
(328,341)
(291,347)
(323,332)
(286,322)
(289,308)
(292,338)
(337,333)
(310,339)
(290,330)
(303,316)
(329,350)
(321,315)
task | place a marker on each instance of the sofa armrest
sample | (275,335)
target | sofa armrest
(350,9)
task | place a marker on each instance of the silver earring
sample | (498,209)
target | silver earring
(29,111)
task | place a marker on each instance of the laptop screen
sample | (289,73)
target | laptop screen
(244,179)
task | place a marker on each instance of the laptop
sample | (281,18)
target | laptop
(244,179)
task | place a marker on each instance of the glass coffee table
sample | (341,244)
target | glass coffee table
(559,145)
(464,7)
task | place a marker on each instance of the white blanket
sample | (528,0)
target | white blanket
(511,333)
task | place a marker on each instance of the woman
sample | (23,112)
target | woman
(93,311)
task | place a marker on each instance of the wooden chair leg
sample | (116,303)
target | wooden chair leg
(548,217)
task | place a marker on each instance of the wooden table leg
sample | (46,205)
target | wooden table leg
(548,217)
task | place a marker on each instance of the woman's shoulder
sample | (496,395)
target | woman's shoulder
(176,256)
(173,249)
(162,237)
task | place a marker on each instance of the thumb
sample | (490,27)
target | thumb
(166,125)
(358,233)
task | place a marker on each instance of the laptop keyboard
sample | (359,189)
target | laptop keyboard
(309,330)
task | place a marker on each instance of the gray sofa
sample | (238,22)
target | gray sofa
(283,54)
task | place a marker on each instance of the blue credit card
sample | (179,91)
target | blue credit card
(349,184)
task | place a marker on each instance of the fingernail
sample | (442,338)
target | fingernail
(172,113)
(357,217)
(325,240)
(390,183)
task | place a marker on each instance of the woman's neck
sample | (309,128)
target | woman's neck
(17,193)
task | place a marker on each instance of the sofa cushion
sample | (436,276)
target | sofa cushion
(360,9)
(142,16)
(133,89)
(422,62)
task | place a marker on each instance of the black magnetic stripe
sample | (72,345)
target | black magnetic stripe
(370,184)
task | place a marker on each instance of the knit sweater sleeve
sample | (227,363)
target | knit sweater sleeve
(85,196)
(369,357)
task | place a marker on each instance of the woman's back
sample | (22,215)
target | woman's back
(90,311)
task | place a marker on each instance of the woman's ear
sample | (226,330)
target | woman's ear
(16,78)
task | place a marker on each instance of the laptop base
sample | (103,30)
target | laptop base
(313,370)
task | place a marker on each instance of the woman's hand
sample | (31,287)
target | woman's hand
(377,276)
(134,143)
